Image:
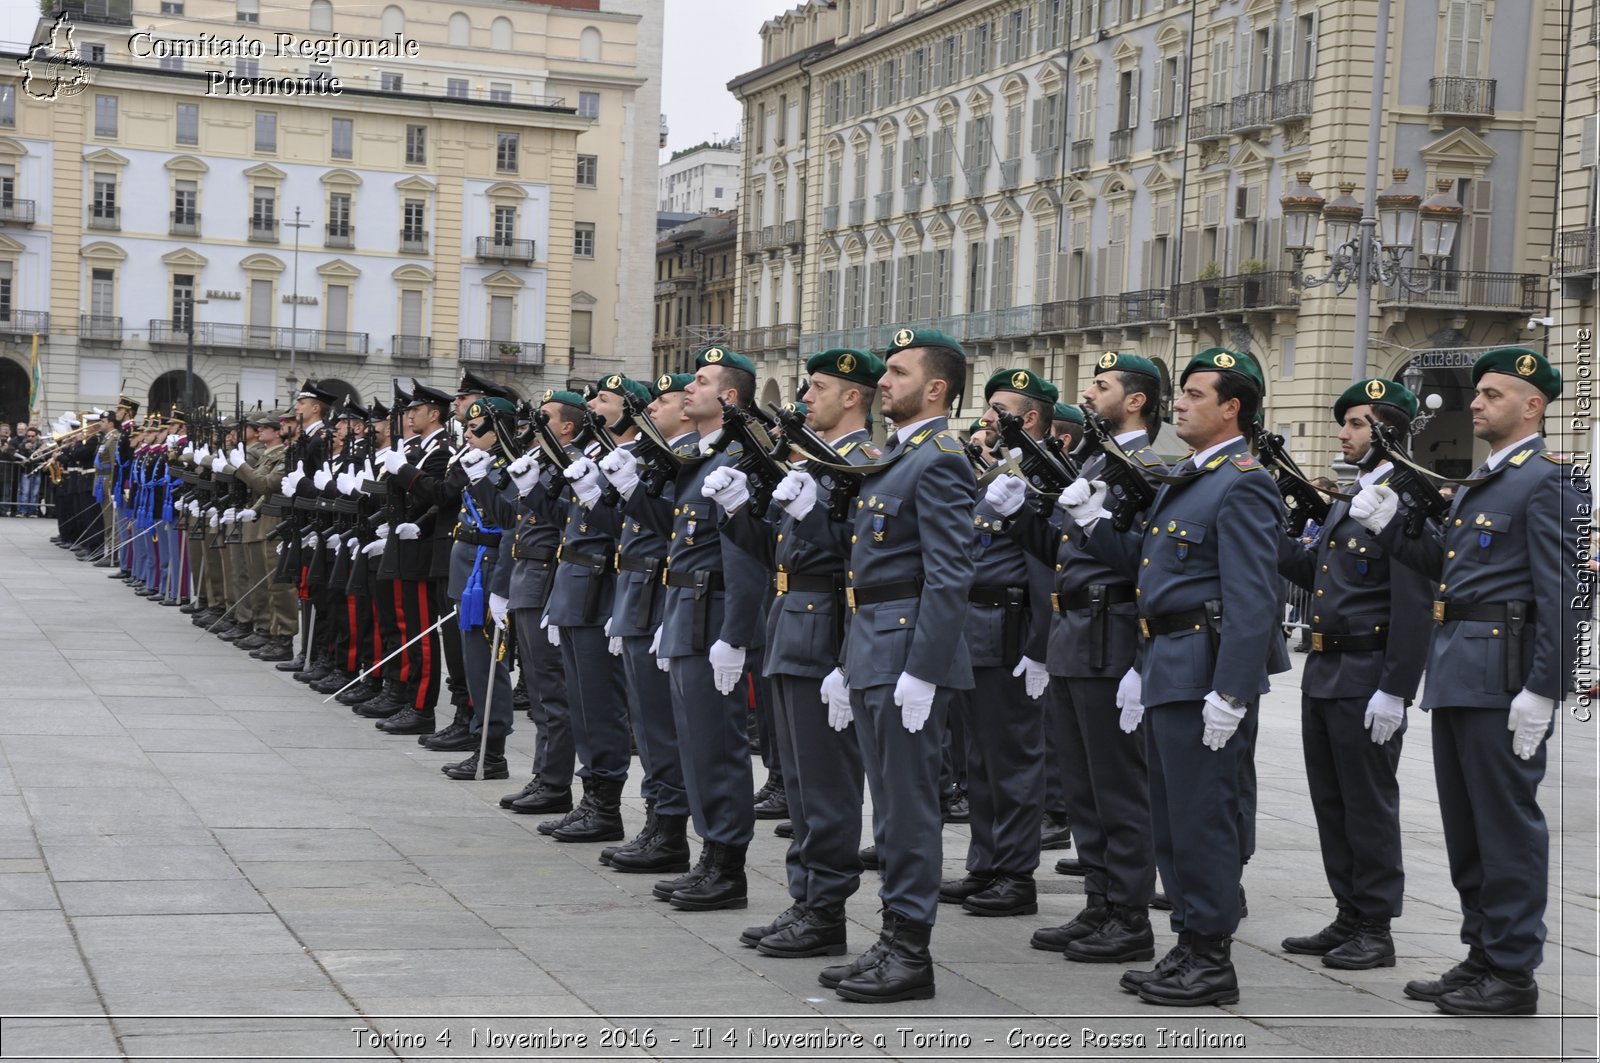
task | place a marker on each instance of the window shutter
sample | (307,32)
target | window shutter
(1188,259)
(1113,282)
(1455,32)
(1163,220)
(1479,219)
(1037,133)
(1133,102)
(411,312)
(1161,89)
(1286,50)
(500,318)
(1252,202)
(1314,22)
(927,283)
(1474,40)
(1147,265)
(1245,66)
(1044,259)
(1211,211)
(1589,142)
(1272,253)
(1080,233)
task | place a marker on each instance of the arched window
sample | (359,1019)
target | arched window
(322,15)
(500,35)
(460,31)
(589,43)
(394,21)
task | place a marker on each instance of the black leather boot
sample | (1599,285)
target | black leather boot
(457,735)
(1071,866)
(869,857)
(1008,894)
(666,850)
(1371,947)
(1124,937)
(663,890)
(529,787)
(819,932)
(407,722)
(277,649)
(1132,980)
(903,972)
(253,641)
(294,663)
(784,829)
(318,670)
(1055,832)
(577,812)
(544,800)
(494,763)
(1495,992)
(1330,937)
(775,805)
(1464,973)
(638,839)
(752,935)
(362,692)
(1206,976)
(956,890)
(723,885)
(832,976)
(1056,938)
(392,698)
(334,681)
(603,823)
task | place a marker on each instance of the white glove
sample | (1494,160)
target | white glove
(1035,677)
(393,460)
(382,531)
(335,544)
(352,544)
(203,455)
(346,483)
(475,463)
(187,455)
(1130,694)
(1374,507)
(914,698)
(194,509)
(663,663)
(622,469)
(374,548)
(524,472)
(836,697)
(211,518)
(498,607)
(1221,721)
(236,457)
(1385,714)
(407,531)
(1529,721)
(1005,495)
(727,665)
(246,516)
(613,642)
(229,515)
(219,463)
(291,480)
(551,632)
(796,493)
(727,487)
(1085,501)
(172,440)
(310,541)
(322,478)
(584,475)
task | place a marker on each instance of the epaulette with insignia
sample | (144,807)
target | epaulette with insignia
(1520,457)
(947,442)
(1245,462)
(1556,457)
(734,448)
(1217,461)
(1148,458)
(920,437)
(871,451)
(846,448)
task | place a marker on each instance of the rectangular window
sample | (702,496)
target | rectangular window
(185,198)
(589,105)
(1014,131)
(977,274)
(266,130)
(264,213)
(760,130)
(505,225)
(247,68)
(456,88)
(105,116)
(182,301)
(410,312)
(392,82)
(589,172)
(8,104)
(338,307)
(344,138)
(261,312)
(5,291)
(582,331)
(499,92)
(172,7)
(860,175)
(339,216)
(505,152)
(583,239)
(94,53)
(247,11)
(1464,39)
(414,220)
(171,62)
(188,127)
(500,318)
(102,293)
(1004,265)
(416,145)
(104,209)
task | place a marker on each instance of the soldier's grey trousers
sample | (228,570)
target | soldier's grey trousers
(1356,799)
(902,771)
(716,756)
(822,771)
(654,732)
(1106,782)
(1005,772)
(1495,834)
(554,750)
(1197,809)
(598,697)
(475,662)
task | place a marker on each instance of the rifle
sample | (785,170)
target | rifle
(1130,493)
(1040,468)
(760,464)
(800,441)
(658,465)
(594,430)
(1301,497)
(553,452)
(1422,499)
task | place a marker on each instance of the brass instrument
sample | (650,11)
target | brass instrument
(47,454)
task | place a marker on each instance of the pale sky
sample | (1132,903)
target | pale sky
(707,44)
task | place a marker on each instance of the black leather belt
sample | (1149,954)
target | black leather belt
(1487,612)
(786,582)
(573,557)
(882,592)
(711,581)
(637,564)
(1351,643)
(1110,594)
(1166,624)
(542,554)
(998,594)
(473,537)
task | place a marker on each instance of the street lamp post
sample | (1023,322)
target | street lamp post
(189,302)
(294,298)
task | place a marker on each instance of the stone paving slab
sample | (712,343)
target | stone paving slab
(185,832)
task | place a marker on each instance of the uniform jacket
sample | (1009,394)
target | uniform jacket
(262,474)
(431,501)
(999,561)
(537,531)
(495,499)
(640,542)
(582,593)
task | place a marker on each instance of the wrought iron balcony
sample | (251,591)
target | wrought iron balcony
(779,339)
(882,206)
(100,327)
(107,12)
(1152,306)
(15,322)
(16,212)
(977,178)
(1058,316)
(913,196)
(1082,155)
(1046,164)
(259,337)
(767,237)
(414,240)
(830,217)
(1018,321)
(1468,290)
(1209,122)
(414,347)
(263,229)
(942,189)
(794,232)
(1292,100)
(105,217)
(858,212)
(1462,97)
(1097,312)
(1166,134)
(1121,145)
(1250,112)
(184,223)
(1010,174)
(339,235)
(508,351)
(1576,251)
(1238,293)
(505,250)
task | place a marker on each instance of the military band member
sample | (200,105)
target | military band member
(1501,659)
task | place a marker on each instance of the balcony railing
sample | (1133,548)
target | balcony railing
(1238,293)
(1251,111)
(508,351)
(259,337)
(882,205)
(769,338)
(1082,155)
(794,232)
(1462,97)
(24,322)
(767,237)
(1121,145)
(830,218)
(1017,321)
(105,217)
(1469,290)
(858,212)
(110,12)
(100,327)
(505,250)
(264,230)
(979,325)
(913,194)
(414,240)
(1208,122)
(1292,100)
(185,223)
(16,211)
(942,189)
(1046,164)
(1096,312)
(339,236)
(1166,134)
(977,177)
(1010,174)
(1576,251)
(415,347)
(1152,306)
(1058,316)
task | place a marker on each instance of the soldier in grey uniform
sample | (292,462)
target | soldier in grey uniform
(1008,627)
(910,568)
(1366,655)
(710,625)
(1096,708)
(1504,646)
(1205,561)
(805,634)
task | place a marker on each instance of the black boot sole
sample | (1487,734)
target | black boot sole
(1330,960)
(1130,956)
(802,954)
(416,729)
(454,746)
(710,906)
(919,993)
(1221,996)
(671,867)
(1305,951)
(1001,913)
(542,810)
(580,839)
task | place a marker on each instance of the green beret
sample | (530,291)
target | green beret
(618,384)
(923,337)
(1376,391)
(670,382)
(802,408)
(490,407)
(1115,361)
(723,356)
(566,398)
(1068,412)
(1525,363)
(976,426)
(1223,360)
(858,367)
(1023,382)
